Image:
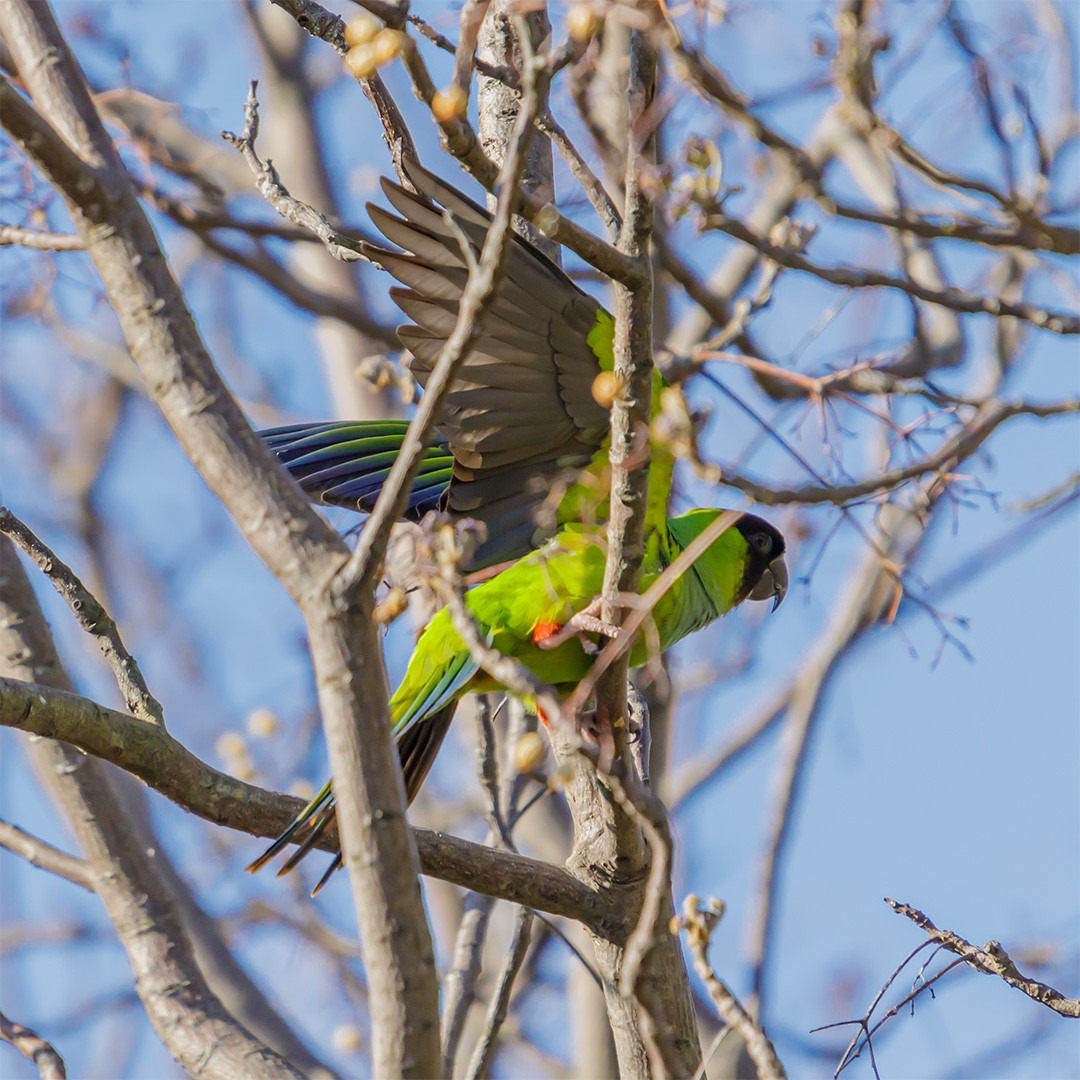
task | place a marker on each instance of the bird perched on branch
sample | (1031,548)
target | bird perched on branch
(528,414)
(529,410)
(523,610)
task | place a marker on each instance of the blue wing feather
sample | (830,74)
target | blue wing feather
(346,464)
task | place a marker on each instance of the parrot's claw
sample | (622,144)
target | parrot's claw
(603,739)
(637,716)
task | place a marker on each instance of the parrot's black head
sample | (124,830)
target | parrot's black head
(766,576)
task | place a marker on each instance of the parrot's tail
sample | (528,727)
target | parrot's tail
(346,463)
(318,814)
(417,748)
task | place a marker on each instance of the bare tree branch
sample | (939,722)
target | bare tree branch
(91,616)
(162,763)
(991,959)
(459,986)
(287,534)
(974,434)
(480,1062)
(263,265)
(190,1019)
(299,213)
(461,141)
(850,277)
(38,240)
(699,922)
(1042,236)
(31,1045)
(38,853)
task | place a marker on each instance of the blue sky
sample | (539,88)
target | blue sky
(951,785)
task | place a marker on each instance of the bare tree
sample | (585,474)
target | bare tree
(869,292)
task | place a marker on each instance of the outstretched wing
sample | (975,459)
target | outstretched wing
(522,410)
(521,416)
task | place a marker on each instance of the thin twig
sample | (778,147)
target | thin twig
(39,853)
(460,139)
(990,416)
(1037,236)
(31,1045)
(991,959)
(850,277)
(500,1000)
(441,41)
(91,616)
(38,240)
(459,986)
(337,243)
(203,219)
(699,922)
(865,1035)
(590,183)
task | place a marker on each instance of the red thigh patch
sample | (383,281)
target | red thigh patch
(543,630)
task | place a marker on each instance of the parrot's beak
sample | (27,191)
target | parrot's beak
(773,584)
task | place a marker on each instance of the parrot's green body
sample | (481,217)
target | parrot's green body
(521,420)
(546,589)
(518,609)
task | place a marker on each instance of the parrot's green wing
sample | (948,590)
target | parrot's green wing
(521,414)
(442,673)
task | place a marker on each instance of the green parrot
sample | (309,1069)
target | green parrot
(520,612)
(522,419)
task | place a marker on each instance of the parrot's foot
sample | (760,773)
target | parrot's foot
(584,622)
(603,738)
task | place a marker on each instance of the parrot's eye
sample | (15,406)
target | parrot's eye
(762,541)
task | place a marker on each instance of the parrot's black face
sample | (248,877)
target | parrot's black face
(766,576)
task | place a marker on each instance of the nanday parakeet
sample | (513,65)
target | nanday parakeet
(519,607)
(521,415)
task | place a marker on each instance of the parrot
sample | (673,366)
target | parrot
(521,612)
(525,416)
